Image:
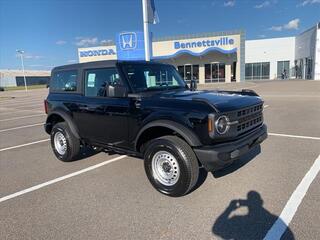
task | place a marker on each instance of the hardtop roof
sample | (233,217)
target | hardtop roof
(98,64)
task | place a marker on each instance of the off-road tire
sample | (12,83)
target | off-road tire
(72,143)
(187,161)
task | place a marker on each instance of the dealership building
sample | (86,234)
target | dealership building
(225,56)
(13,78)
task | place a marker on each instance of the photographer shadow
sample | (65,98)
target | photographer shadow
(253,225)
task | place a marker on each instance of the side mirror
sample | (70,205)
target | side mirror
(193,85)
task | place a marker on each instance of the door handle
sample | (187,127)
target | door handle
(137,104)
(86,108)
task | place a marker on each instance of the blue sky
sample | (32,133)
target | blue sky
(50,31)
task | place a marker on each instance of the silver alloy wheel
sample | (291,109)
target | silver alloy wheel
(165,168)
(60,143)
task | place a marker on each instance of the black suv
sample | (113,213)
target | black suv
(145,109)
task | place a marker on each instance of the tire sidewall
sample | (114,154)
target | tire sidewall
(58,128)
(181,186)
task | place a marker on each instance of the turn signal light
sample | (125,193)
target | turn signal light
(210,124)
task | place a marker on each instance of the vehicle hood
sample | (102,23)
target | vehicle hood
(222,101)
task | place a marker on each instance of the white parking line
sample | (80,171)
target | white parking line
(22,104)
(23,145)
(265,106)
(26,126)
(21,100)
(280,226)
(16,118)
(36,104)
(24,110)
(293,136)
(59,179)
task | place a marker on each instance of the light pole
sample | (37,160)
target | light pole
(21,52)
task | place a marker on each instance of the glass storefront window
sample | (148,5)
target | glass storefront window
(207,71)
(195,72)
(188,72)
(283,69)
(222,70)
(215,72)
(181,71)
(257,71)
(265,71)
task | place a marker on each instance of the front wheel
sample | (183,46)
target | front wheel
(171,165)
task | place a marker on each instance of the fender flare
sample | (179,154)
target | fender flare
(68,120)
(190,137)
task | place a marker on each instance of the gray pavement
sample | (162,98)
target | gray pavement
(116,201)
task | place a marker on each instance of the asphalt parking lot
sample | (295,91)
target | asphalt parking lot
(103,196)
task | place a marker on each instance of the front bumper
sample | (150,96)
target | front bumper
(216,157)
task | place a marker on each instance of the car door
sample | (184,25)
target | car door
(102,118)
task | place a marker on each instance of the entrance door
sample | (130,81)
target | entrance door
(283,70)
(195,72)
(233,71)
(215,72)
(189,72)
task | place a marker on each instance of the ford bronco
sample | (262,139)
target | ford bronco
(146,110)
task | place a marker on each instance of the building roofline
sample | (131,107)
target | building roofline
(263,39)
(186,36)
(198,35)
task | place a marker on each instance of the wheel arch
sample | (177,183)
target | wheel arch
(166,127)
(61,116)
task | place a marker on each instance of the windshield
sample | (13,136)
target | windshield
(153,77)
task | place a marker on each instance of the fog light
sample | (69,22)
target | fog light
(222,124)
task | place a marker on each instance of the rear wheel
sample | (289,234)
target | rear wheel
(171,166)
(65,145)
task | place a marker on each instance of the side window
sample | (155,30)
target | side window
(97,81)
(64,81)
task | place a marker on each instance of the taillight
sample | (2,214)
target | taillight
(46,106)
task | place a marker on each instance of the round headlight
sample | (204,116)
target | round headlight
(222,124)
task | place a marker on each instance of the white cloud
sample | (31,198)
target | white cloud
(276,28)
(263,5)
(106,41)
(31,56)
(61,42)
(36,65)
(308,2)
(291,25)
(261,36)
(72,61)
(229,3)
(86,41)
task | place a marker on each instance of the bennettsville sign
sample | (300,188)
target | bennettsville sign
(223,41)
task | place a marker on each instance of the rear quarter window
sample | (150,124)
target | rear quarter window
(64,81)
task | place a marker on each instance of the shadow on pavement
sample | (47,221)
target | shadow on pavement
(86,152)
(238,163)
(227,170)
(253,225)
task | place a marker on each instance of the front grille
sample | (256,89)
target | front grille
(248,111)
(249,118)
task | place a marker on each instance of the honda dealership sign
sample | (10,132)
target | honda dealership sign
(97,53)
(130,46)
